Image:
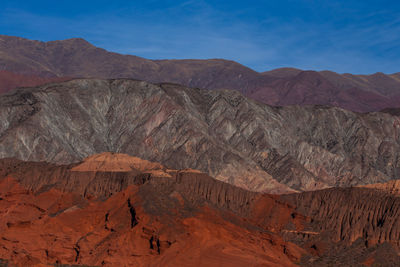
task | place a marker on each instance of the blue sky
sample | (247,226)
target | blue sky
(359,37)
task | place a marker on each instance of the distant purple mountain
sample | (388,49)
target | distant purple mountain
(279,87)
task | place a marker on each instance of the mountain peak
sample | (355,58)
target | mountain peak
(72,43)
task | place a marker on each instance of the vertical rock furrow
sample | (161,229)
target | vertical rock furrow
(352,213)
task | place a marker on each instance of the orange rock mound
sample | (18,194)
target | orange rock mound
(116,162)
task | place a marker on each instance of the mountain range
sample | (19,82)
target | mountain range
(116,160)
(76,58)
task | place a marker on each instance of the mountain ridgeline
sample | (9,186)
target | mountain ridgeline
(23,60)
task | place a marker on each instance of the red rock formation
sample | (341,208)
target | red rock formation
(109,234)
(184,218)
(116,210)
(352,213)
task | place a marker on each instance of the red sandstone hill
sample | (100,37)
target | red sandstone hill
(62,228)
(287,86)
(116,210)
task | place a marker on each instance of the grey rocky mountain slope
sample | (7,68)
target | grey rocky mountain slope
(222,133)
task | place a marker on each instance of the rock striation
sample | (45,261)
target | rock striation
(221,133)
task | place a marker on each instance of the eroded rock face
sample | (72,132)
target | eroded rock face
(184,219)
(95,213)
(356,226)
(222,133)
(352,213)
(36,230)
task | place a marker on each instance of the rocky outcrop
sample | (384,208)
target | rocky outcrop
(78,58)
(105,174)
(356,226)
(36,230)
(221,133)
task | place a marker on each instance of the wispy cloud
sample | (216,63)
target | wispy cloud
(348,40)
